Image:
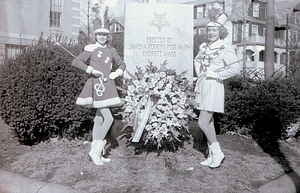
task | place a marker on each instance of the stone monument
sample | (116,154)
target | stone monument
(159,32)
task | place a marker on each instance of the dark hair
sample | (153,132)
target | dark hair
(223,32)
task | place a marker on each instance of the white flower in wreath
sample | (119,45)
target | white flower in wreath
(169,85)
(170,79)
(162,74)
(148,127)
(130,89)
(146,75)
(153,119)
(155,125)
(155,90)
(131,116)
(151,84)
(159,120)
(170,114)
(164,117)
(162,101)
(160,84)
(181,116)
(154,78)
(155,133)
(143,84)
(157,76)
(163,96)
(175,122)
(174,100)
(182,101)
(127,99)
(158,113)
(170,122)
(159,107)
(128,109)
(164,129)
(136,83)
(167,91)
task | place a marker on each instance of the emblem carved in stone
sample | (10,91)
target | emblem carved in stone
(159,21)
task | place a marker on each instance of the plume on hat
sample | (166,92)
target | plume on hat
(101,21)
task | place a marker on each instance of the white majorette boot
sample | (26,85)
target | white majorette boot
(103,143)
(95,153)
(209,158)
(217,155)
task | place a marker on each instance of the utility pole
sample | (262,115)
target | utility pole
(269,41)
(287,46)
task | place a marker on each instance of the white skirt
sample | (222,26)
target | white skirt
(210,95)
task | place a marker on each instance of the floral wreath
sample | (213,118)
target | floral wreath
(157,105)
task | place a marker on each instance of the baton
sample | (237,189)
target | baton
(220,69)
(56,43)
(224,67)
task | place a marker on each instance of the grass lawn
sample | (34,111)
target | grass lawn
(245,169)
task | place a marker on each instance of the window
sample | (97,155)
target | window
(55,13)
(297,17)
(195,31)
(200,12)
(282,58)
(261,56)
(117,27)
(264,32)
(246,30)
(294,35)
(201,31)
(235,32)
(256,10)
(12,50)
(275,57)
(250,55)
(254,30)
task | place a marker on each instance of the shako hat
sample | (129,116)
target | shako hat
(221,20)
(99,27)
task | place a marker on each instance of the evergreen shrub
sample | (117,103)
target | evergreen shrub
(265,107)
(38,90)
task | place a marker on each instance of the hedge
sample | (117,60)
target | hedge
(265,107)
(38,90)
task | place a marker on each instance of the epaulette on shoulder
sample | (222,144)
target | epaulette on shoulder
(202,46)
(90,47)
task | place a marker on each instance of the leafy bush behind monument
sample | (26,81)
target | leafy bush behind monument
(38,91)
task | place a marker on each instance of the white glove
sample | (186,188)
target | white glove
(97,73)
(212,74)
(115,74)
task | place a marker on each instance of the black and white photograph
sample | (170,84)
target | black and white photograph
(150,96)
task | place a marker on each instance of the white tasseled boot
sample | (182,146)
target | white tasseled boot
(103,143)
(209,158)
(95,152)
(217,155)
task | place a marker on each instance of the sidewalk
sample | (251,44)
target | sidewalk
(288,183)
(13,183)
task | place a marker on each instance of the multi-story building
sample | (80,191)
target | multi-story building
(247,27)
(23,23)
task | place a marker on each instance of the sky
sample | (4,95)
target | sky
(118,9)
